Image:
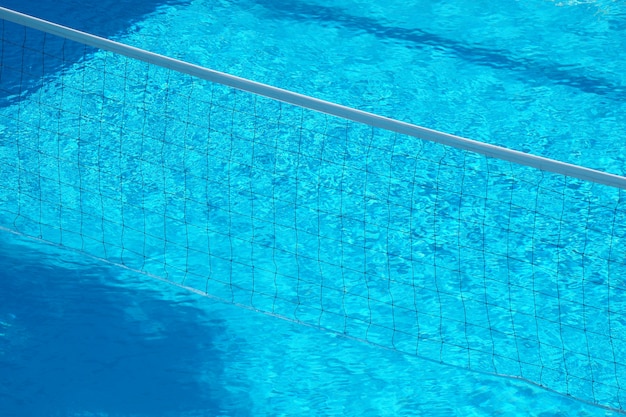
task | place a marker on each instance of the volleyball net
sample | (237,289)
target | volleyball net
(414,240)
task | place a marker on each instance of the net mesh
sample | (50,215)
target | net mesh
(389,239)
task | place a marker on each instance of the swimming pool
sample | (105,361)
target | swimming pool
(78,338)
(131,198)
(544,77)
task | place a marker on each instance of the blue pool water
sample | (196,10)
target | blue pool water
(544,77)
(114,190)
(81,338)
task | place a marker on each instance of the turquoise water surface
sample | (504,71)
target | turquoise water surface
(80,338)
(544,77)
(421,249)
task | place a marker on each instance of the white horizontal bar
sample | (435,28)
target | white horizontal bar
(545,164)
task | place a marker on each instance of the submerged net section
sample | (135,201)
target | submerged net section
(386,238)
